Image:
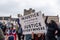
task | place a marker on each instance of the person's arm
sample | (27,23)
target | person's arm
(57,29)
(46,20)
(32,35)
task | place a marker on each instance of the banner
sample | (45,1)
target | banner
(33,23)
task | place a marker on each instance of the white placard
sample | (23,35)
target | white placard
(33,23)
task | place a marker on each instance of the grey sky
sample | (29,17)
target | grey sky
(14,7)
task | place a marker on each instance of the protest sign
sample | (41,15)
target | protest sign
(33,23)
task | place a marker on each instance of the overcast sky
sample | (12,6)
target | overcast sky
(14,7)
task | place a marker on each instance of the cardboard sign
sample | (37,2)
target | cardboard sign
(33,23)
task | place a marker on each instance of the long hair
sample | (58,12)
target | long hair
(53,23)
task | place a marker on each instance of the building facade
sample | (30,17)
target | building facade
(26,12)
(4,19)
(55,18)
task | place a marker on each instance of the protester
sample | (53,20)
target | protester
(19,33)
(8,25)
(52,27)
(14,33)
(4,29)
(1,35)
(28,36)
(43,36)
(16,28)
(36,36)
(10,34)
(40,36)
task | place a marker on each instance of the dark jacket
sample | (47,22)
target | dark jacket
(52,27)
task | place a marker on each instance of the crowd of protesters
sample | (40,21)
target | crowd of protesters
(53,32)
